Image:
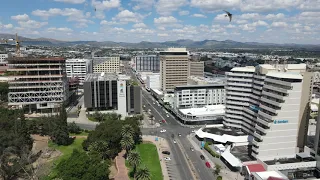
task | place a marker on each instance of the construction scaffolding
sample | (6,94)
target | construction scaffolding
(37,84)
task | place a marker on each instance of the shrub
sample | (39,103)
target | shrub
(73,128)
(219,178)
(214,154)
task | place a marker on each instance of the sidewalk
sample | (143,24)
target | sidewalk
(121,167)
(162,145)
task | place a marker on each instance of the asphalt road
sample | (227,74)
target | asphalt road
(173,127)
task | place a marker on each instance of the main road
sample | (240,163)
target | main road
(190,164)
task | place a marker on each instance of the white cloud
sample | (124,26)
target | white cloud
(73,14)
(71,1)
(165,21)
(139,25)
(8,26)
(143,4)
(183,13)
(267,5)
(250,16)
(166,7)
(106,4)
(32,24)
(104,22)
(260,23)
(279,24)
(247,27)
(241,21)
(20,17)
(142,31)
(64,29)
(214,5)
(230,26)
(310,5)
(275,16)
(199,16)
(163,34)
(126,16)
(221,17)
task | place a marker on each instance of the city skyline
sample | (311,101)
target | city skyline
(163,20)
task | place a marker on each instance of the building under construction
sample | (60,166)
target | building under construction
(38,85)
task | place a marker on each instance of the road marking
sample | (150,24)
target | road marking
(154,108)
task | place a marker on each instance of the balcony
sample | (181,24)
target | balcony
(276,88)
(274,95)
(234,116)
(238,89)
(266,123)
(255,134)
(278,82)
(254,142)
(254,149)
(230,74)
(237,103)
(237,98)
(235,107)
(257,87)
(234,112)
(237,93)
(268,108)
(240,84)
(273,102)
(240,79)
(265,115)
(261,128)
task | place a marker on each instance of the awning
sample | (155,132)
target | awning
(231,159)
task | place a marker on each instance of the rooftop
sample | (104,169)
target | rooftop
(204,111)
(285,75)
(105,77)
(268,175)
(255,168)
(208,86)
(244,69)
(208,80)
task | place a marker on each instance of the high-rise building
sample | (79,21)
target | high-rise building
(78,68)
(271,103)
(174,68)
(196,68)
(37,84)
(112,92)
(153,81)
(106,64)
(146,63)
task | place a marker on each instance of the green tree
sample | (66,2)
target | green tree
(134,160)
(83,166)
(217,169)
(143,173)
(101,147)
(127,143)
(73,128)
(97,116)
(4,90)
(59,133)
(127,130)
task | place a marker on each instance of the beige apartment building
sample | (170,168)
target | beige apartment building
(196,68)
(106,64)
(174,68)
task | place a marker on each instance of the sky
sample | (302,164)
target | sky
(266,21)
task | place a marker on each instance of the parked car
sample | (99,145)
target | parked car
(167,158)
(164,121)
(191,148)
(193,131)
(166,152)
(174,141)
(208,164)
(179,134)
(202,157)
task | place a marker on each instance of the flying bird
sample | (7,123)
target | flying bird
(95,9)
(228,15)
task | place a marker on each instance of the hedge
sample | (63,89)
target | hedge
(214,154)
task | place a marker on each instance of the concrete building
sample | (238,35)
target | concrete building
(112,92)
(153,81)
(149,63)
(198,96)
(78,68)
(37,84)
(196,68)
(270,103)
(197,80)
(174,68)
(3,59)
(106,64)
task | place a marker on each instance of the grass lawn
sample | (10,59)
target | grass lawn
(149,158)
(66,151)
(81,134)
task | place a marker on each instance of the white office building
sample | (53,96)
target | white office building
(78,68)
(3,59)
(270,103)
(153,81)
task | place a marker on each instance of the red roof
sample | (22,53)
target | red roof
(255,168)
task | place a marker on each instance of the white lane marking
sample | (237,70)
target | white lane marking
(154,108)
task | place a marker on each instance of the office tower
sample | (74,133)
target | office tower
(109,91)
(174,68)
(106,64)
(37,84)
(78,68)
(147,63)
(269,102)
(153,81)
(196,68)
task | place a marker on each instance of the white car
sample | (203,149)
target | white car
(174,141)
(193,131)
(163,130)
(167,158)
(167,115)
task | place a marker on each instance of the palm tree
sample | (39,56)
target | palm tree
(127,130)
(134,160)
(143,173)
(127,143)
(101,147)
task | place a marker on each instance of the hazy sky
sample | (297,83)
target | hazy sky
(276,21)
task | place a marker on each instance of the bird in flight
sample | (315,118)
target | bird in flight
(228,15)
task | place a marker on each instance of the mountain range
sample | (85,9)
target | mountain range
(205,44)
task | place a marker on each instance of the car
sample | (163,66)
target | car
(174,141)
(166,152)
(202,157)
(167,115)
(154,103)
(179,134)
(193,131)
(164,121)
(208,164)
(167,158)
(163,130)
(191,148)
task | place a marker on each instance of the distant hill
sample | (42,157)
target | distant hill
(206,44)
